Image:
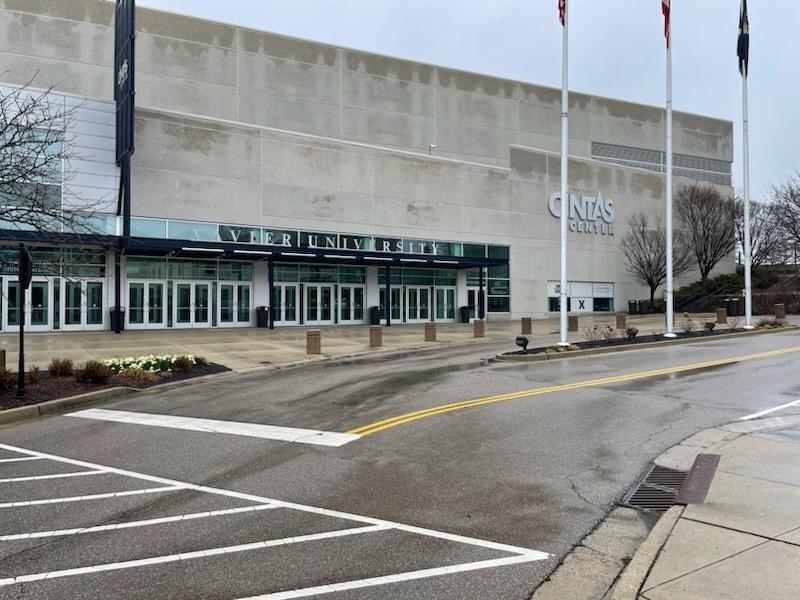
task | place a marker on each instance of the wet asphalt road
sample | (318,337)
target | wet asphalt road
(536,473)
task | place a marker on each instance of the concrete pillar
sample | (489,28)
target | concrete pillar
(780,311)
(375,336)
(572,323)
(722,316)
(527,326)
(313,341)
(2,359)
(622,322)
(430,332)
(479,328)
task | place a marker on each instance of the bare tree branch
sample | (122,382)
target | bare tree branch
(767,239)
(709,221)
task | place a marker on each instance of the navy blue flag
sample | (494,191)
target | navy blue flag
(743,45)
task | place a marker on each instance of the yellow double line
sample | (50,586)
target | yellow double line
(445,408)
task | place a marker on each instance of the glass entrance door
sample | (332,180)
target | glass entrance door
(234,305)
(394,304)
(351,304)
(445,304)
(192,304)
(473,299)
(37,312)
(146,305)
(319,304)
(418,304)
(83,306)
(284,304)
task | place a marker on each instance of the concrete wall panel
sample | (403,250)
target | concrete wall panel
(185,60)
(288,78)
(390,95)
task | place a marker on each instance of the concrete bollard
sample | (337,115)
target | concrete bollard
(313,341)
(430,332)
(780,312)
(527,326)
(479,328)
(722,316)
(2,359)
(572,323)
(375,336)
(622,322)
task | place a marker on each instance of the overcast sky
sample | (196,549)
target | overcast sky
(616,50)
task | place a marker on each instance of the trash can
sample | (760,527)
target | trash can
(262,316)
(632,309)
(374,315)
(113,319)
(464,312)
(644,307)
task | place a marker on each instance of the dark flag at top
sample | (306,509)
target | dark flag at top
(665,10)
(562,7)
(743,45)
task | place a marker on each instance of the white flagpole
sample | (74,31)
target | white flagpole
(563,299)
(748,297)
(668,292)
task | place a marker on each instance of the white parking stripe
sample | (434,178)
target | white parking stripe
(155,490)
(53,476)
(21,459)
(155,560)
(533,554)
(408,576)
(256,430)
(769,410)
(131,524)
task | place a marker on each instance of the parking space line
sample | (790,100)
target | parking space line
(20,459)
(143,562)
(533,554)
(155,490)
(398,578)
(769,410)
(52,476)
(132,524)
(257,430)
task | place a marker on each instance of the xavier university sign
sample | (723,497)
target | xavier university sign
(587,214)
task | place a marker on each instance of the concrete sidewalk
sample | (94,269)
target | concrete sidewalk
(744,540)
(248,348)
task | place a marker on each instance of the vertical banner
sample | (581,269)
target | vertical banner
(124,90)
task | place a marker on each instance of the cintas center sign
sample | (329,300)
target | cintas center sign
(587,214)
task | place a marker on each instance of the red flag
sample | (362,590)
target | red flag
(665,10)
(562,8)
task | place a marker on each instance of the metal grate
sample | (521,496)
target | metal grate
(656,491)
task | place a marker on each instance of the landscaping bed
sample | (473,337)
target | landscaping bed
(63,379)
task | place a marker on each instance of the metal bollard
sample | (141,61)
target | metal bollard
(430,332)
(479,328)
(375,336)
(313,341)
(527,326)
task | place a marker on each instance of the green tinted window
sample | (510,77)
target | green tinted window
(501,252)
(499,304)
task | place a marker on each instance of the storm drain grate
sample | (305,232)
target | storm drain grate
(657,490)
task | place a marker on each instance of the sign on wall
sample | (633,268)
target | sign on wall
(587,214)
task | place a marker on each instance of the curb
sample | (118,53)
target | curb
(632,578)
(644,346)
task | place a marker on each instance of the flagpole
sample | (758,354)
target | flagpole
(748,297)
(563,299)
(670,313)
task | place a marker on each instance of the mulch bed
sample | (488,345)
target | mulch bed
(51,388)
(640,339)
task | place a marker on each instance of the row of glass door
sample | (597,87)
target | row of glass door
(191,305)
(420,304)
(82,305)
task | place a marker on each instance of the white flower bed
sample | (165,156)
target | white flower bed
(153,363)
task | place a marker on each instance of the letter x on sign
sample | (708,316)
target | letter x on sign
(581,304)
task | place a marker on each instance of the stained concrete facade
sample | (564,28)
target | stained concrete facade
(251,128)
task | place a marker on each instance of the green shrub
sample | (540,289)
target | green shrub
(93,371)
(8,380)
(631,332)
(183,363)
(33,376)
(61,367)
(200,361)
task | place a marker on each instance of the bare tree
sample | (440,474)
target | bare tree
(645,249)
(785,200)
(767,240)
(709,222)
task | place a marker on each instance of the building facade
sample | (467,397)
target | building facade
(326,183)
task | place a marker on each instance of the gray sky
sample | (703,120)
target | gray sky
(616,50)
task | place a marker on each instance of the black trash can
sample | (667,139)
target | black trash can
(374,315)
(632,308)
(114,318)
(464,312)
(262,316)
(644,307)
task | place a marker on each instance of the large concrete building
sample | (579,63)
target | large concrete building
(273,171)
